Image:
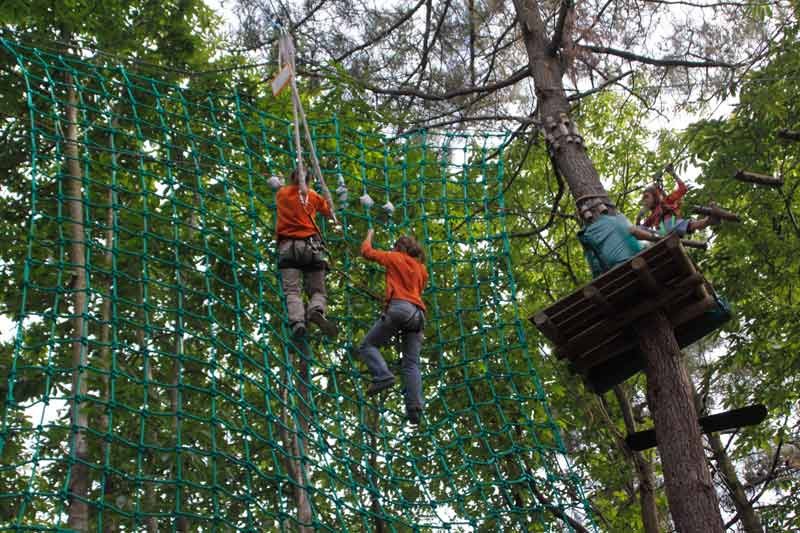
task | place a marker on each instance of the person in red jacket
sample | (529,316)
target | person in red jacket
(302,256)
(664,213)
(404,314)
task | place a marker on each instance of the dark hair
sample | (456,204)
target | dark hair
(295,177)
(409,246)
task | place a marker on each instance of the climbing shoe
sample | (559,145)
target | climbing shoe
(325,326)
(378,386)
(413,416)
(298,330)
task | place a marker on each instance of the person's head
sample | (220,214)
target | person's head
(294,179)
(409,246)
(651,196)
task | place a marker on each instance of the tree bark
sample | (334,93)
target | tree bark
(78,513)
(109,524)
(692,500)
(644,469)
(744,509)
(294,464)
(690,492)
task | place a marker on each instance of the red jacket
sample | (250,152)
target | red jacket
(406,277)
(295,220)
(671,205)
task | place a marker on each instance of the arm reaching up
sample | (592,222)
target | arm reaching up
(371,254)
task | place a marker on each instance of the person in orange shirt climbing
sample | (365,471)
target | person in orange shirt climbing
(404,314)
(664,213)
(302,256)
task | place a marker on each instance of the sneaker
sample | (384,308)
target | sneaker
(326,326)
(413,416)
(298,330)
(378,386)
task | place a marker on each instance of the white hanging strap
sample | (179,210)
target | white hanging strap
(286,57)
(287,47)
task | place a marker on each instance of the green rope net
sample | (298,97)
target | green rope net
(154,384)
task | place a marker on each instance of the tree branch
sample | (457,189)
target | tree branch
(594,90)
(658,62)
(518,76)
(558,34)
(369,42)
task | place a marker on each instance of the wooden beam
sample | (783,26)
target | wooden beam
(735,418)
(758,179)
(546,326)
(685,265)
(645,277)
(714,211)
(593,294)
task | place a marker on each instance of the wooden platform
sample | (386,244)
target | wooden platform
(593,328)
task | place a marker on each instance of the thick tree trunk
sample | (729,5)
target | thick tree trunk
(690,491)
(744,509)
(691,496)
(78,514)
(644,470)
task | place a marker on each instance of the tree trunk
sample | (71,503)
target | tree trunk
(151,522)
(644,469)
(294,464)
(109,525)
(378,523)
(78,513)
(691,495)
(175,399)
(744,509)
(690,492)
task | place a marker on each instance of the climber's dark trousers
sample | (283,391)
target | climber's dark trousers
(408,320)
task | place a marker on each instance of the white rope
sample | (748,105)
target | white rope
(286,54)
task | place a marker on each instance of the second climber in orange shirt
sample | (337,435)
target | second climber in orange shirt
(302,256)
(404,314)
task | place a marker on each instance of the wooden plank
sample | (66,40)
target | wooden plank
(684,314)
(735,418)
(546,326)
(577,345)
(616,345)
(646,278)
(593,294)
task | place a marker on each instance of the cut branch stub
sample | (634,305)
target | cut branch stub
(716,212)
(789,135)
(758,179)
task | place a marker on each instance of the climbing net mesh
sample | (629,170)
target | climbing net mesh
(154,384)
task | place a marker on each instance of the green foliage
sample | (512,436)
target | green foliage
(197,393)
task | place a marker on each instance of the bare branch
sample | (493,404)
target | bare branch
(658,62)
(518,76)
(594,90)
(369,42)
(558,34)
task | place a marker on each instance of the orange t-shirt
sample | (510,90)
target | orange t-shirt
(295,220)
(406,277)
